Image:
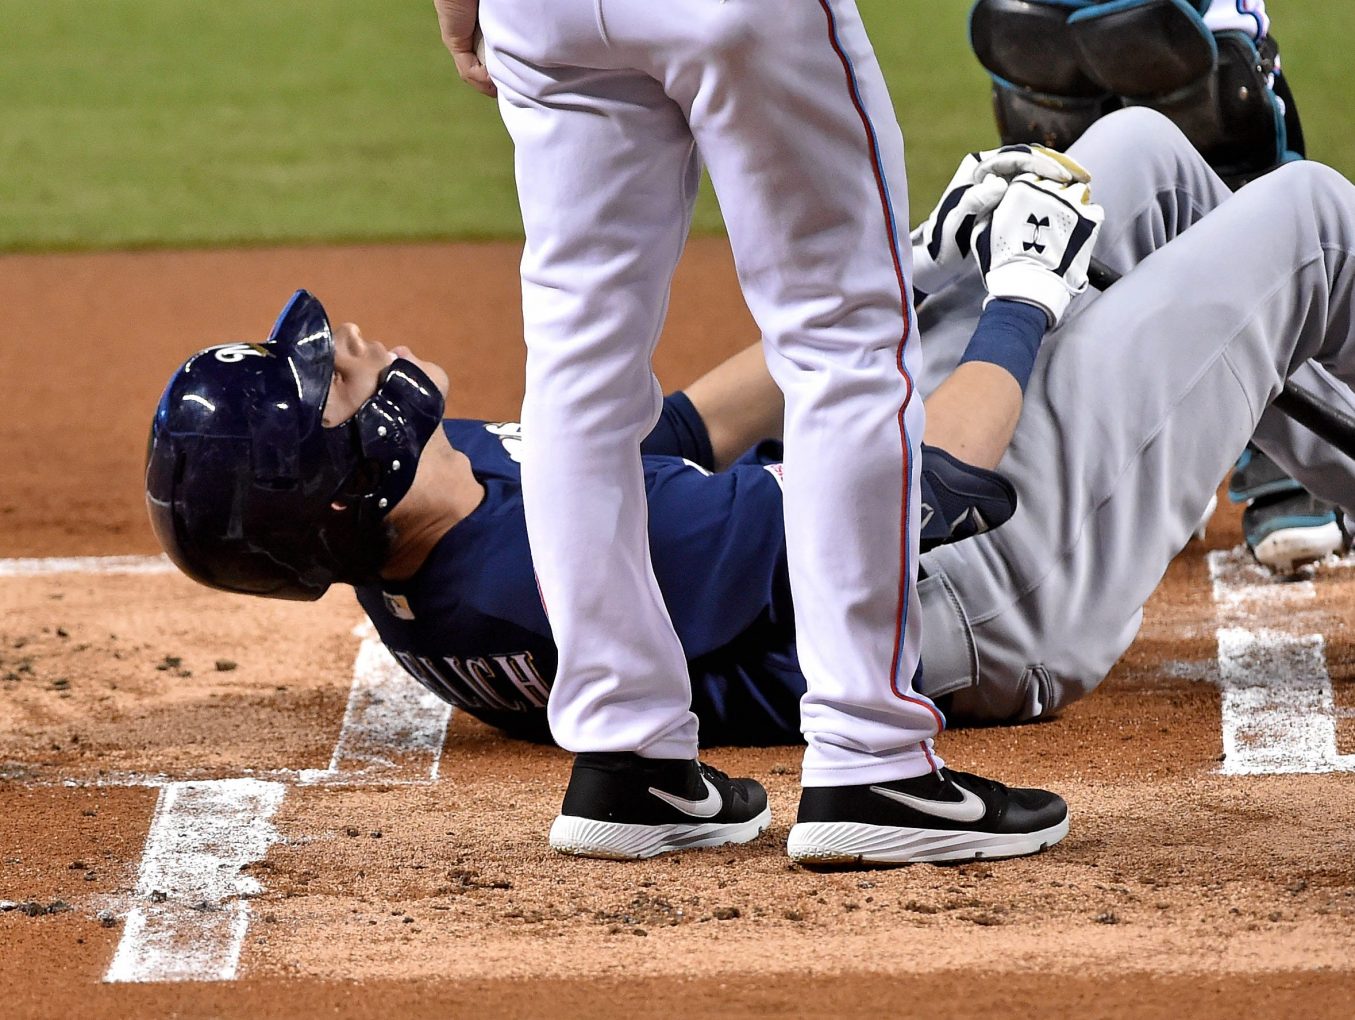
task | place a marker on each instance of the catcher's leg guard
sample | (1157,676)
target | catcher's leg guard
(1026,43)
(1232,116)
(1143,48)
(1024,115)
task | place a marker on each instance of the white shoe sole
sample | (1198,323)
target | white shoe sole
(856,843)
(617,841)
(1289,548)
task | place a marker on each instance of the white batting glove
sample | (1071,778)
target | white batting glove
(942,244)
(1039,242)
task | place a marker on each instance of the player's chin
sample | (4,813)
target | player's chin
(438,375)
(431,369)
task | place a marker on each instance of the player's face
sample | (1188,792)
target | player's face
(359,365)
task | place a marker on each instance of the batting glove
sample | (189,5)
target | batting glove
(942,244)
(1039,242)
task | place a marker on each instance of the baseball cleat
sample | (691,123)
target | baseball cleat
(1291,529)
(942,816)
(619,806)
(1256,475)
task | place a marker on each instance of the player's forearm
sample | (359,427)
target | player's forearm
(973,414)
(739,403)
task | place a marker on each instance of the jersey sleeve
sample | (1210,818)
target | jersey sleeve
(719,548)
(680,432)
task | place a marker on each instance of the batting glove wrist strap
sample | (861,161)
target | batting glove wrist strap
(1032,285)
(1039,243)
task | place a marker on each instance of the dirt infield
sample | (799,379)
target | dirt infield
(354,860)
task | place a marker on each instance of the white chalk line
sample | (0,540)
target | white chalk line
(191,909)
(393,730)
(393,727)
(1278,711)
(48,566)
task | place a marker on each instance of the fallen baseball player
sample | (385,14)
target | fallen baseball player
(1064,469)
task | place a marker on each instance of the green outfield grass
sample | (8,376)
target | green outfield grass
(135,123)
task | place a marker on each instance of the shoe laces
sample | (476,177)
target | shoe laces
(727,787)
(712,773)
(977,782)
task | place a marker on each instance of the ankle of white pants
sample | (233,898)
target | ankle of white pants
(838,770)
(678,742)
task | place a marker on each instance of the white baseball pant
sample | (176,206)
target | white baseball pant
(608,103)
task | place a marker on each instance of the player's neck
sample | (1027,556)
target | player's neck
(444,492)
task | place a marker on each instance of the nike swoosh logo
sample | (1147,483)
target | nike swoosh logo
(708,807)
(970,809)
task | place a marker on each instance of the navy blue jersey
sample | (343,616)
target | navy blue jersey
(469,625)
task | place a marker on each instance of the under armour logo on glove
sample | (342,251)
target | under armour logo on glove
(1034,241)
(1038,243)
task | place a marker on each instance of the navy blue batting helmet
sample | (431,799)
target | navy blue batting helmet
(248,491)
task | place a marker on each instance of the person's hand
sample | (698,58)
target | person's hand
(1039,242)
(941,245)
(1012,160)
(458,21)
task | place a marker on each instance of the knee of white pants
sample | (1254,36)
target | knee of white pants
(590,408)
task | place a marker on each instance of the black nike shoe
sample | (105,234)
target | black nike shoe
(620,806)
(942,816)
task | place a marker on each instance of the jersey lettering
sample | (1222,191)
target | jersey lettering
(478,675)
(447,687)
(522,671)
(510,435)
(502,683)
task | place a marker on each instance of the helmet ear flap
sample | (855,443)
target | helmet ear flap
(394,426)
